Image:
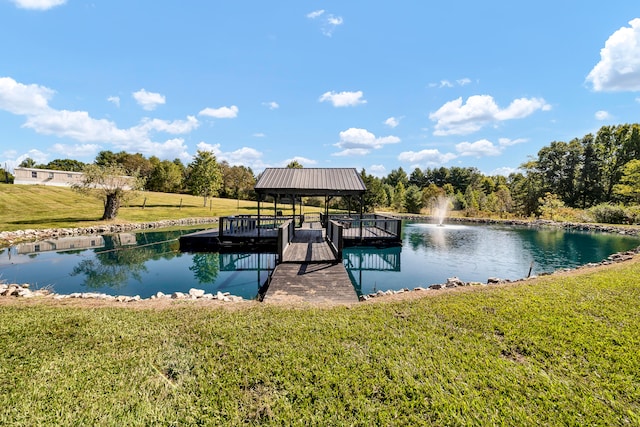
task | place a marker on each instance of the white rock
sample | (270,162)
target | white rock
(177,295)
(198,293)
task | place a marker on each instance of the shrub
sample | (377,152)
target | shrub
(609,214)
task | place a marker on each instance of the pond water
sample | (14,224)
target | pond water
(431,254)
(147,262)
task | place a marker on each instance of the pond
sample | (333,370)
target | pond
(147,262)
(431,254)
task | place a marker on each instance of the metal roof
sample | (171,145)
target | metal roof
(310,181)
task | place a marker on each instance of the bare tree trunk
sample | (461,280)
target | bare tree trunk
(111,207)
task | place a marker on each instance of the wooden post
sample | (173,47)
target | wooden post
(180,203)
(144,203)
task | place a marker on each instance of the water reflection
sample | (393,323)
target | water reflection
(430,254)
(132,264)
(147,262)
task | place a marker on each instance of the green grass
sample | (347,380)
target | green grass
(555,351)
(38,207)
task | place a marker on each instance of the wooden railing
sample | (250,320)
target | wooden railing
(334,236)
(285,236)
(390,225)
(244,224)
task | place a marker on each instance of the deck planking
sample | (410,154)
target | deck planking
(313,283)
(309,246)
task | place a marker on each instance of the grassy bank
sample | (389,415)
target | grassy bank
(38,207)
(556,351)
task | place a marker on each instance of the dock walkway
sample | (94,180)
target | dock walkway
(310,272)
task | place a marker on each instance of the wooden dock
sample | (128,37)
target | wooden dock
(312,283)
(310,272)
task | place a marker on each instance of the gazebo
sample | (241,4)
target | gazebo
(304,182)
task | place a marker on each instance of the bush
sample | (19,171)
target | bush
(609,214)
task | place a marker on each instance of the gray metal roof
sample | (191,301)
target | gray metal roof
(310,181)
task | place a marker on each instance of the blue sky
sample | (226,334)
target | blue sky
(374,85)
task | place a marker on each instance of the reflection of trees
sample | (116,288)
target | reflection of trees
(206,267)
(113,268)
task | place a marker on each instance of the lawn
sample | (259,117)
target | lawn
(39,207)
(559,350)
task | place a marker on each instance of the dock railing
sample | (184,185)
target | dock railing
(285,236)
(334,236)
(248,224)
(390,226)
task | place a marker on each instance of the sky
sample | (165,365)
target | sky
(367,84)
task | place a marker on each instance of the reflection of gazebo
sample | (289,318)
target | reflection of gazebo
(292,183)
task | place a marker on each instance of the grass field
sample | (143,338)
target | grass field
(38,207)
(560,350)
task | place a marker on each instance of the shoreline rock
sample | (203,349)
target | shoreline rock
(24,291)
(8,238)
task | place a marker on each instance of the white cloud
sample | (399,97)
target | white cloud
(245,156)
(77,150)
(479,148)
(148,100)
(378,170)
(506,142)
(328,22)
(427,157)
(448,84)
(392,122)
(31,101)
(302,160)
(173,127)
(354,141)
(315,14)
(602,115)
(115,100)
(271,105)
(220,113)
(343,99)
(619,66)
(456,118)
(259,135)
(21,99)
(504,171)
(38,4)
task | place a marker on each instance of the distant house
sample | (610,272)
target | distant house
(56,178)
(34,176)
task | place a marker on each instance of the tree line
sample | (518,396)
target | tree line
(600,173)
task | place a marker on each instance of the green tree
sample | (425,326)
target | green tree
(294,164)
(375,195)
(550,204)
(629,186)
(109,183)
(28,163)
(65,165)
(241,181)
(413,199)
(165,177)
(203,176)
(399,192)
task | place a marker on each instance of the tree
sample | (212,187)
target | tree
(294,164)
(413,199)
(165,177)
(203,176)
(28,163)
(550,205)
(375,195)
(241,181)
(111,184)
(65,165)
(629,186)
(397,200)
